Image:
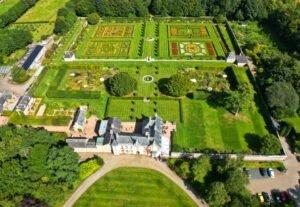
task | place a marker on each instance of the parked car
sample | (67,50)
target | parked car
(271,172)
(283,197)
(266,197)
(262,171)
(260,197)
(287,196)
(276,196)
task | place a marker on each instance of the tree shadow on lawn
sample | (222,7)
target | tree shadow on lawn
(253,141)
(162,85)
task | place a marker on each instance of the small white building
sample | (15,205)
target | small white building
(231,58)
(80,119)
(69,56)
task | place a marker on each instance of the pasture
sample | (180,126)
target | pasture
(134,187)
(43,11)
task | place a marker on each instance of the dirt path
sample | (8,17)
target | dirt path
(112,162)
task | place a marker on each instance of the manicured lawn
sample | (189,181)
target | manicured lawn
(295,122)
(44,10)
(6,5)
(131,109)
(134,187)
(206,127)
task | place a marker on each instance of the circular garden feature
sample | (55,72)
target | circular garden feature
(148,79)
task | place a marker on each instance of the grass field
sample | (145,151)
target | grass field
(44,10)
(6,5)
(37,29)
(206,127)
(134,187)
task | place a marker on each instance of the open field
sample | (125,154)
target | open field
(43,11)
(37,29)
(134,187)
(6,5)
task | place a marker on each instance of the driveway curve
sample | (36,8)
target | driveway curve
(112,162)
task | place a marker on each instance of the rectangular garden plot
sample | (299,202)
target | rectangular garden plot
(196,48)
(187,31)
(107,49)
(114,31)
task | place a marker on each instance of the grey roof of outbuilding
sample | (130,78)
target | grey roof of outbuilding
(36,51)
(23,103)
(77,142)
(80,117)
(241,59)
(114,125)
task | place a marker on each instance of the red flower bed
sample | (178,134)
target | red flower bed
(174,51)
(174,45)
(211,51)
(209,46)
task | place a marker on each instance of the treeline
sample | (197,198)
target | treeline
(36,169)
(15,12)
(237,9)
(11,40)
(285,19)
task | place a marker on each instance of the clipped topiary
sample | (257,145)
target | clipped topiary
(121,84)
(93,18)
(178,85)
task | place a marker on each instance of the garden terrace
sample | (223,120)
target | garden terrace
(158,39)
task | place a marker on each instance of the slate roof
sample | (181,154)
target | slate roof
(80,118)
(31,58)
(5,69)
(241,59)
(69,54)
(77,142)
(4,97)
(23,103)
(114,124)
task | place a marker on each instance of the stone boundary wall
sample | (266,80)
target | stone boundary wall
(277,158)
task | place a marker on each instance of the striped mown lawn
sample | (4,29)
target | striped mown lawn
(134,187)
(132,109)
(206,127)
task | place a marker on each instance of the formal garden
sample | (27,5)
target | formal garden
(200,98)
(144,184)
(162,39)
